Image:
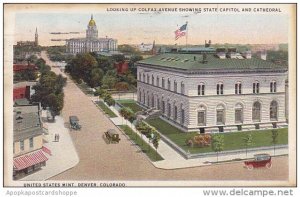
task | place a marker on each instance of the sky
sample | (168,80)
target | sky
(137,28)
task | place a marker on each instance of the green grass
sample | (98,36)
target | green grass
(146,148)
(106,109)
(233,140)
(130,104)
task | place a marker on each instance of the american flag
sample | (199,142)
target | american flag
(181,31)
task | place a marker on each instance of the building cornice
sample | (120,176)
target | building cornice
(211,71)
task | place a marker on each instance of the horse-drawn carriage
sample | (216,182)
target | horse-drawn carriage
(112,136)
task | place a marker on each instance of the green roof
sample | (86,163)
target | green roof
(188,62)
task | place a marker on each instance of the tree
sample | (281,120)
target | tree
(248,141)
(274,138)
(55,103)
(102,93)
(109,100)
(217,144)
(122,86)
(96,77)
(40,62)
(49,92)
(109,81)
(81,66)
(32,59)
(155,144)
(131,65)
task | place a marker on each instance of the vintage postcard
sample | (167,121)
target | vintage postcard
(135,95)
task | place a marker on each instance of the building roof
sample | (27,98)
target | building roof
(92,22)
(24,84)
(26,121)
(22,101)
(195,62)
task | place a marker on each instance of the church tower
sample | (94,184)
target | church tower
(92,31)
(36,38)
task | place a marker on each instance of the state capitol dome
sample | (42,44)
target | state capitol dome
(92,22)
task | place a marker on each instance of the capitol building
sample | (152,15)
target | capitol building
(91,43)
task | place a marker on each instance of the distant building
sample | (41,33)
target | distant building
(145,47)
(23,90)
(121,67)
(22,67)
(28,150)
(214,90)
(30,43)
(91,43)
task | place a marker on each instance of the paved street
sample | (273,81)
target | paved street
(123,161)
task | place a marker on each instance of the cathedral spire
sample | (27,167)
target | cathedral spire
(36,37)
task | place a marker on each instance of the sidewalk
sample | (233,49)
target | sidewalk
(64,155)
(173,160)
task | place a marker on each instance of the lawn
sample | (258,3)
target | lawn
(232,140)
(106,109)
(146,148)
(131,104)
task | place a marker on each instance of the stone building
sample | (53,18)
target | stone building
(214,90)
(28,149)
(91,43)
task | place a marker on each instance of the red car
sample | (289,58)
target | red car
(260,160)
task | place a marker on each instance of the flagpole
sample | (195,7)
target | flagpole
(186,37)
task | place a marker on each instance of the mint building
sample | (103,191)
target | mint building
(214,90)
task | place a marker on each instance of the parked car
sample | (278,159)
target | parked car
(112,136)
(74,123)
(260,160)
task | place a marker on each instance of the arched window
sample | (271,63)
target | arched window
(175,112)
(182,88)
(175,86)
(238,113)
(163,105)
(256,111)
(220,115)
(273,110)
(169,108)
(202,115)
(182,114)
(169,84)
(152,100)
(140,95)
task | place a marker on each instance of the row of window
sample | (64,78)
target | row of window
(22,144)
(163,85)
(256,113)
(201,87)
(220,111)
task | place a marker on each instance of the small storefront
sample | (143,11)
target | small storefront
(28,163)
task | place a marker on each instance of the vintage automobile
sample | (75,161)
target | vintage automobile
(74,123)
(112,136)
(260,160)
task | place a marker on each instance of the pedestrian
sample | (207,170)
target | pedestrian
(58,137)
(55,136)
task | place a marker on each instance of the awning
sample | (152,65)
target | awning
(29,159)
(46,150)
